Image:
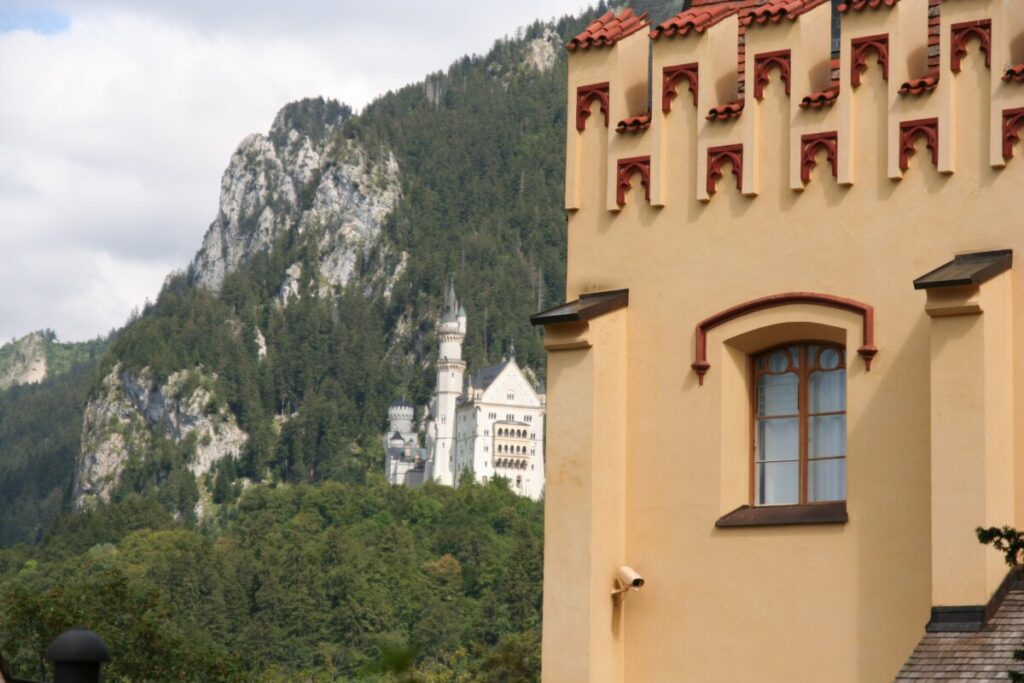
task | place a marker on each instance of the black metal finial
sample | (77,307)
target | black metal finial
(77,655)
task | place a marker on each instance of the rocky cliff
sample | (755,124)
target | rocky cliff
(303,181)
(23,361)
(121,420)
(303,178)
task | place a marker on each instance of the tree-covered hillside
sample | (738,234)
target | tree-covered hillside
(40,435)
(305,583)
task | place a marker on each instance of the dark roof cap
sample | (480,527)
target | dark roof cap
(401,403)
(967,269)
(79,646)
(586,307)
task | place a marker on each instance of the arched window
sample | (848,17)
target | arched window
(800,424)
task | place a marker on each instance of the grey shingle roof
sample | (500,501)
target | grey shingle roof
(483,379)
(985,655)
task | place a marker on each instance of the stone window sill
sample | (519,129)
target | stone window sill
(782,515)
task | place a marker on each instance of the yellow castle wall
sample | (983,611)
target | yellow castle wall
(835,603)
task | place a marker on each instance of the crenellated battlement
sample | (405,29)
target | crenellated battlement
(739,83)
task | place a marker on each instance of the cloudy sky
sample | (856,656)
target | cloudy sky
(117,118)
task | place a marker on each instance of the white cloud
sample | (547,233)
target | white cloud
(114,132)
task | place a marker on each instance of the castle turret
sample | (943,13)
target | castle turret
(450,369)
(400,416)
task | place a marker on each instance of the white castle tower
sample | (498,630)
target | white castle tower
(406,461)
(450,369)
(488,428)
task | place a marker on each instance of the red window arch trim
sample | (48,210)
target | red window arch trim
(867,349)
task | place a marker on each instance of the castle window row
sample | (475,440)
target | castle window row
(510,449)
(510,464)
(514,433)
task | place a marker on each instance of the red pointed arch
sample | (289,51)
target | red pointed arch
(867,349)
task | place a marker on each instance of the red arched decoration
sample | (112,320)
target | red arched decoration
(624,177)
(1013,122)
(717,158)
(763,64)
(671,77)
(810,144)
(860,48)
(910,131)
(867,350)
(959,34)
(585,96)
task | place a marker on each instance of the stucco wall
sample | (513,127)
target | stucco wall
(800,603)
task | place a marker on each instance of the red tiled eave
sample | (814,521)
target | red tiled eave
(918,86)
(822,98)
(775,11)
(1014,74)
(608,29)
(860,5)
(634,124)
(724,112)
(697,19)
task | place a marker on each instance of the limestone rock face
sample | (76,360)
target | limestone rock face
(303,177)
(23,361)
(119,422)
(541,52)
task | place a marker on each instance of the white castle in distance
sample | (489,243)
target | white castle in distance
(491,426)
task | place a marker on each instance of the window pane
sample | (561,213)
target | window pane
(826,480)
(826,436)
(829,359)
(828,391)
(778,439)
(778,395)
(778,362)
(778,483)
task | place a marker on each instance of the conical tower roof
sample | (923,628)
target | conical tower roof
(451,303)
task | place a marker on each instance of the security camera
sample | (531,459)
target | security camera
(627,579)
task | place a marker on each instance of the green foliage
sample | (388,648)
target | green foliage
(107,592)
(40,433)
(1006,540)
(364,580)
(1010,542)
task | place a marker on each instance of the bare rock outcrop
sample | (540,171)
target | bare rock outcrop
(23,361)
(303,177)
(120,421)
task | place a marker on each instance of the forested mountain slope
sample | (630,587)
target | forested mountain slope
(219,466)
(313,300)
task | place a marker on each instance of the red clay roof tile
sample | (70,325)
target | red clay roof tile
(634,124)
(608,29)
(860,5)
(917,86)
(1014,73)
(822,98)
(776,10)
(697,19)
(724,112)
